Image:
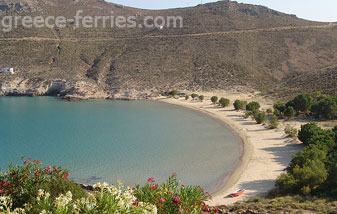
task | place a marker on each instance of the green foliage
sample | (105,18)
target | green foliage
(187,97)
(290,112)
(21,182)
(240,105)
(307,131)
(172,197)
(194,96)
(290,131)
(253,106)
(327,108)
(249,114)
(224,102)
(260,117)
(201,98)
(173,93)
(301,103)
(314,170)
(318,104)
(274,122)
(214,99)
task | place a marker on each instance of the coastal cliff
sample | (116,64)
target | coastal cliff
(79,90)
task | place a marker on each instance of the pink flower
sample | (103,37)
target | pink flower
(49,168)
(36,174)
(175,199)
(6,184)
(1,191)
(151,180)
(154,186)
(25,162)
(183,185)
(136,202)
(162,200)
(66,175)
(170,193)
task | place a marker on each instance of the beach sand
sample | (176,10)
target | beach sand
(266,152)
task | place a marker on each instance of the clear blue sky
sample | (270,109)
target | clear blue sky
(325,10)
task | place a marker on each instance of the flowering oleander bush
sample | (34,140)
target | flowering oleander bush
(172,197)
(21,182)
(107,199)
(32,189)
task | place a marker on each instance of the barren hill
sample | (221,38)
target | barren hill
(222,45)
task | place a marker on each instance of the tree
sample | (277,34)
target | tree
(187,97)
(214,99)
(279,108)
(328,108)
(307,131)
(274,122)
(238,104)
(253,106)
(290,112)
(194,96)
(201,98)
(173,93)
(302,103)
(224,102)
(260,117)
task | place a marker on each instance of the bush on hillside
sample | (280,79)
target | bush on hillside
(240,105)
(253,106)
(224,102)
(274,122)
(214,99)
(260,117)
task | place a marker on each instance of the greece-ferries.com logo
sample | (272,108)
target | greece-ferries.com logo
(8,23)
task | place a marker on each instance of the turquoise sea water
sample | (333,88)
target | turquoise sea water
(110,140)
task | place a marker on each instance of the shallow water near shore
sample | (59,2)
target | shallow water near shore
(110,140)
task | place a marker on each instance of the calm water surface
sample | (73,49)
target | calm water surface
(111,140)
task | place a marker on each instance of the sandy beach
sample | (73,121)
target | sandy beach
(266,152)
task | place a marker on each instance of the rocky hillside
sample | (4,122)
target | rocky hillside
(223,45)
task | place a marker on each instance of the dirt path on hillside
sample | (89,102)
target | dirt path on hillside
(331,25)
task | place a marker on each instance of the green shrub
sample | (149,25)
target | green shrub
(260,117)
(253,106)
(307,131)
(214,99)
(172,197)
(240,105)
(290,131)
(201,98)
(314,170)
(279,108)
(173,93)
(194,96)
(301,103)
(249,114)
(20,182)
(274,122)
(224,102)
(187,97)
(290,112)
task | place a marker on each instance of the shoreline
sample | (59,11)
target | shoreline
(265,153)
(229,178)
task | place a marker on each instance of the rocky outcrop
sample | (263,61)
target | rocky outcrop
(61,88)
(71,91)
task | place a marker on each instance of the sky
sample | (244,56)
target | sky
(325,10)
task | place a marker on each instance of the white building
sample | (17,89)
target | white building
(7,70)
